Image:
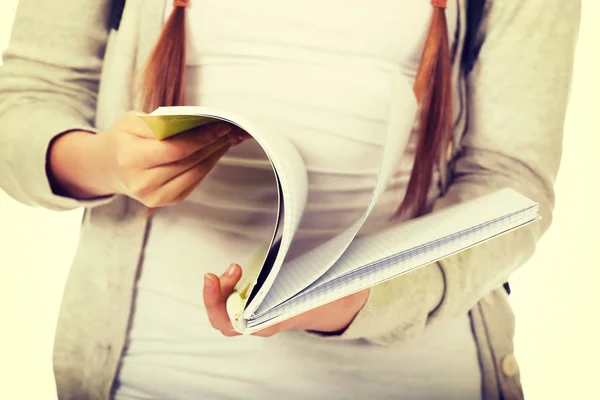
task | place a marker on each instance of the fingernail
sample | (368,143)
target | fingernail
(234,140)
(241,137)
(208,281)
(231,269)
(223,129)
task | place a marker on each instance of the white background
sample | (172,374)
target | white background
(555,295)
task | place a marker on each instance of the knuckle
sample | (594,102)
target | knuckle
(174,201)
(127,118)
(149,202)
(215,134)
(131,114)
(139,188)
(215,325)
(153,201)
(201,170)
(126,157)
(139,191)
(210,131)
(180,198)
(123,162)
(174,153)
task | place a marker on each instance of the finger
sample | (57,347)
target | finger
(180,186)
(209,164)
(229,279)
(215,304)
(183,145)
(238,135)
(134,125)
(212,291)
(159,175)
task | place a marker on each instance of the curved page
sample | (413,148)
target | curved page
(288,167)
(375,258)
(299,273)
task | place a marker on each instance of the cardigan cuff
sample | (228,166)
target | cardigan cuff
(396,310)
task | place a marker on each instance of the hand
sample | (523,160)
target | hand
(333,317)
(127,159)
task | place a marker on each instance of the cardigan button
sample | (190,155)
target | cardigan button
(509,366)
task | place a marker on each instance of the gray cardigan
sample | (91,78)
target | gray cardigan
(65,70)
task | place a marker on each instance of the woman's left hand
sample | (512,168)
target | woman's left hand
(331,317)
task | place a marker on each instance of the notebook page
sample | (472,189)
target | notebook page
(299,273)
(288,166)
(260,265)
(426,229)
(392,267)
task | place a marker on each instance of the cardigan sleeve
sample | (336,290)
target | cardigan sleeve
(48,86)
(518,96)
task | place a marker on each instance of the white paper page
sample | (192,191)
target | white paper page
(391,267)
(410,234)
(263,258)
(289,167)
(297,274)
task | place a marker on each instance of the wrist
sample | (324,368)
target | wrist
(343,315)
(75,166)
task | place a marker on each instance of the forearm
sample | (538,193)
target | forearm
(75,168)
(402,308)
(26,133)
(398,309)
(473,273)
(48,85)
(518,94)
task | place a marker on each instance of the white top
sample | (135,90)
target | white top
(317,72)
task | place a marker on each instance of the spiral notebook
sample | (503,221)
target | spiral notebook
(275,288)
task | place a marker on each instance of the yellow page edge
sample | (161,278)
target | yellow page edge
(166,126)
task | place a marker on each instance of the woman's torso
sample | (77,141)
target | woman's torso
(316,72)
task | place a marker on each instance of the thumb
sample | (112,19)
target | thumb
(212,291)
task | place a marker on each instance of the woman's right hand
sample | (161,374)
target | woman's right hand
(128,159)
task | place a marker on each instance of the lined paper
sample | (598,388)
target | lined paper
(299,273)
(397,239)
(288,166)
(382,256)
